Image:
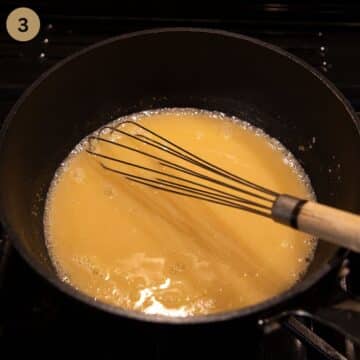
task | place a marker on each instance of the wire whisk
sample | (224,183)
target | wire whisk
(179,171)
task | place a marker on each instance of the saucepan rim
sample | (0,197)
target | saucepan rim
(299,288)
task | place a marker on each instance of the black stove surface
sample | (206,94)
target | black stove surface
(325,36)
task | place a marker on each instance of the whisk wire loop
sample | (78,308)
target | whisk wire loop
(183,185)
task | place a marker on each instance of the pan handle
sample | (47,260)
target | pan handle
(343,318)
(290,322)
(342,315)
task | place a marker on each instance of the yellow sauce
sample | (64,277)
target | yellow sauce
(148,250)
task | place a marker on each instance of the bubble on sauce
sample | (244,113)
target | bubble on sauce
(227,131)
(177,268)
(199,135)
(115,292)
(231,157)
(287,244)
(309,241)
(90,264)
(116,136)
(107,130)
(78,174)
(110,191)
(65,279)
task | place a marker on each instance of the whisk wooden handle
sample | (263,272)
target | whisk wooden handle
(339,227)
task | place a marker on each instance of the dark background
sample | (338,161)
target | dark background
(325,34)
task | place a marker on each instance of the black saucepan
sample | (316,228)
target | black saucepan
(207,69)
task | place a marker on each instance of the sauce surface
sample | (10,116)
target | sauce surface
(148,250)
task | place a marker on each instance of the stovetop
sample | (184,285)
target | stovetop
(326,36)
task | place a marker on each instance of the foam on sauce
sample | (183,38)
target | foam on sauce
(147,250)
